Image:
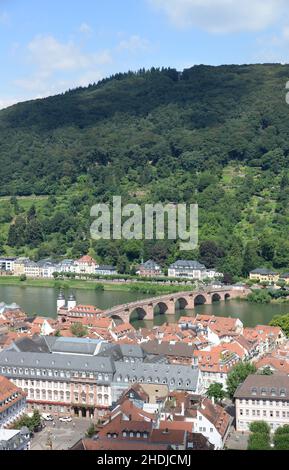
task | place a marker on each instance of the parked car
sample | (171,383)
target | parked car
(65,419)
(47,417)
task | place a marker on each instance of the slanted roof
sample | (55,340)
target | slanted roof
(274,387)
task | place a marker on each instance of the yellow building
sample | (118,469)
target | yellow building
(264,275)
(19,266)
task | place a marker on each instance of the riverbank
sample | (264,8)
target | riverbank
(141,287)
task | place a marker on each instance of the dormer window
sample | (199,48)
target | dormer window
(273,392)
(263,391)
(282,392)
(254,391)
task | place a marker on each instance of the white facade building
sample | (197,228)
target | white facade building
(262,398)
(191,270)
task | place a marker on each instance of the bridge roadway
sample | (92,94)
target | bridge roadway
(169,303)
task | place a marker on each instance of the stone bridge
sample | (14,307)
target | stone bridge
(170,303)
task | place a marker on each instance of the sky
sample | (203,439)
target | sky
(50,46)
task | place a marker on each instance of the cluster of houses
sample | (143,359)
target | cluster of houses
(148,387)
(47,268)
(86,265)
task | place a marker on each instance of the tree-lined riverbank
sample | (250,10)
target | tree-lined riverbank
(126,286)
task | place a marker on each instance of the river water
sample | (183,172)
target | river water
(42,301)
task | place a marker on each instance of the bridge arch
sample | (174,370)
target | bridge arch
(200,299)
(137,313)
(216,297)
(227,296)
(181,303)
(160,308)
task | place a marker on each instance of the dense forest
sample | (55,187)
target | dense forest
(216,136)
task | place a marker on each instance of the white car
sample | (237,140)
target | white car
(47,417)
(65,419)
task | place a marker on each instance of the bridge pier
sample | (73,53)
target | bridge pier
(191,302)
(171,307)
(149,312)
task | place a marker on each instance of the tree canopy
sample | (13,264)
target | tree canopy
(215,136)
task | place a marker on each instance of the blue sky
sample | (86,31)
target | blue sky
(49,46)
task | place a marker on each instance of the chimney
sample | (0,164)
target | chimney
(183,409)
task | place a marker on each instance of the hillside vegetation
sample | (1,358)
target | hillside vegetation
(218,136)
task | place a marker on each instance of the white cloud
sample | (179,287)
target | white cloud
(59,66)
(49,55)
(85,29)
(222,16)
(133,44)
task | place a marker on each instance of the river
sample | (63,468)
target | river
(42,301)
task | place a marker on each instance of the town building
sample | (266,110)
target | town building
(264,275)
(12,402)
(262,398)
(7,265)
(12,313)
(47,268)
(196,413)
(70,311)
(66,266)
(12,439)
(216,363)
(19,266)
(106,271)
(191,270)
(32,269)
(62,380)
(176,353)
(149,269)
(85,265)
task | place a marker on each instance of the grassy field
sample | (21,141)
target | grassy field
(146,288)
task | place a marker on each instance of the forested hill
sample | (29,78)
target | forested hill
(218,136)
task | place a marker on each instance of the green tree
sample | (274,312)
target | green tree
(91,431)
(216,391)
(260,427)
(282,321)
(238,375)
(281,438)
(78,330)
(259,441)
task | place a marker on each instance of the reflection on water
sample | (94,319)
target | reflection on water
(42,301)
(249,314)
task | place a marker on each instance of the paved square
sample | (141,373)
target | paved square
(63,435)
